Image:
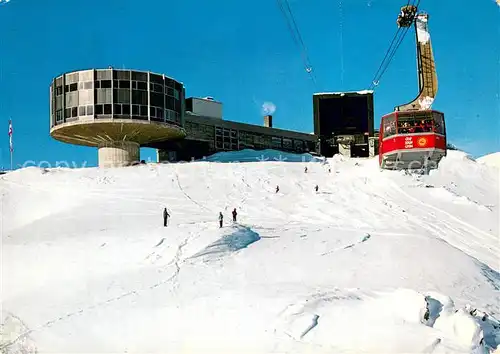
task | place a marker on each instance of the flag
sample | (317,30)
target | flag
(10,135)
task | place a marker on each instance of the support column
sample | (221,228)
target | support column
(118,153)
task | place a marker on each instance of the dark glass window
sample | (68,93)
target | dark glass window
(144,111)
(117,109)
(139,76)
(59,116)
(139,97)
(98,109)
(170,91)
(126,109)
(74,111)
(105,83)
(107,109)
(90,110)
(97,84)
(170,103)
(156,99)
(158,88)
(73,87)
(81,110)
(58,90)
(389,126)
(121,74)
(142,86)
(124,84)
(121,95)
(152,112)
(135,110)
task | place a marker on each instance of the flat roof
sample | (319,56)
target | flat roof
(363,92)
(250,127)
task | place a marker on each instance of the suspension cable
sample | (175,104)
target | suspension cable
(296,36)
(390,53)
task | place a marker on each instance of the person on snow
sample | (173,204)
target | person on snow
(305,170)
(277,189)
(316,188)
(221,218)
(165,217)
(234,215)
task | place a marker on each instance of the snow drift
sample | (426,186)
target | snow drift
(375,261)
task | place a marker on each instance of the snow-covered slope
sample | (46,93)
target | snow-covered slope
(87,265)
(491,159)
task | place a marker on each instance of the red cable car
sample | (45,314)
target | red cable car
(414,135)
(412,140)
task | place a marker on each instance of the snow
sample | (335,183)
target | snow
(374,262)
(423,34)
(491,159)
(426,102)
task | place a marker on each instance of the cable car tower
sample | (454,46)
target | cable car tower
(414,135)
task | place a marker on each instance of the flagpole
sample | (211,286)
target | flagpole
(10,144)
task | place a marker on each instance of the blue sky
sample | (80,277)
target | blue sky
(241,53)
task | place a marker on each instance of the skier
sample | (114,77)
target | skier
(277,189)
(234,214)
(165,217)
(305,170)
(221,218)
(316,188)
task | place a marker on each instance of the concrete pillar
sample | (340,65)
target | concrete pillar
(345,150)
(118,153)
(372,146)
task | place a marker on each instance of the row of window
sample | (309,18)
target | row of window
(122,84)
(427,123)
(156,113)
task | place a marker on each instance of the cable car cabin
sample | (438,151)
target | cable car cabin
(412,140)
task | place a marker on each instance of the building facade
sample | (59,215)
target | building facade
(208,135)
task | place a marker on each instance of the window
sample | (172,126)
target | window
(158,88)
(88,85)
(59,90)
(176,94)
(142,86)
(124,84)
(117,108)
(409,123)
(73,87)
(59,116)
(135,110)
(389,125)
(439,123)
(144,111)
(152,112)
(90,110)
(98,109)
(107,109)
(81,111)
(125,109)
(140,97)
(170,91)
(121,96)
(105,83)
(74,111)
(156,99)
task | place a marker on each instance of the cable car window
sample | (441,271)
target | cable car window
(438,123)
(414,123)
(389,126)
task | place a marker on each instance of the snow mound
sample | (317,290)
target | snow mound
(241,238)
(249,155)
(490,160)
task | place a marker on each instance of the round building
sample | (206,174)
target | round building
(117,111)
